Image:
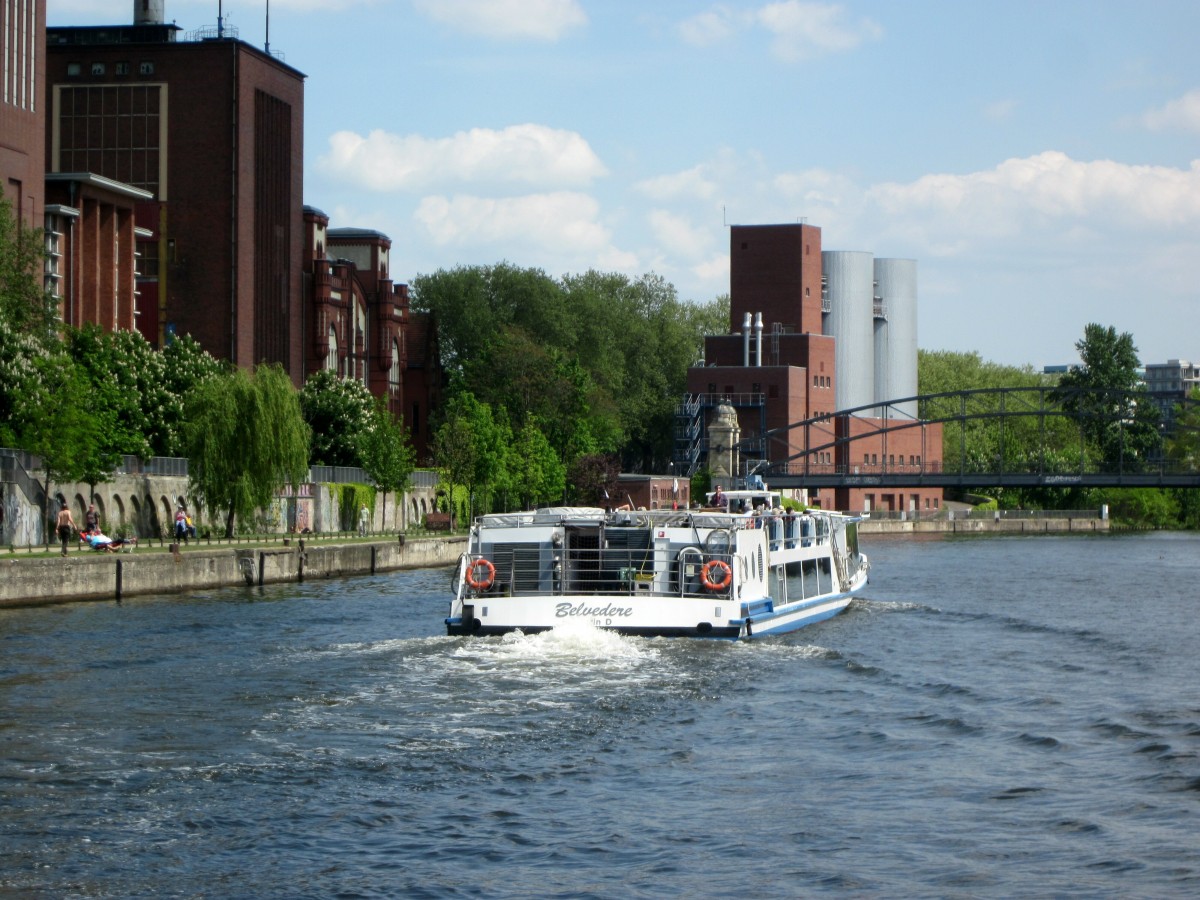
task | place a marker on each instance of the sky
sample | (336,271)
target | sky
(1039,160)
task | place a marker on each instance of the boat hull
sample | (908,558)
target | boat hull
(719,618)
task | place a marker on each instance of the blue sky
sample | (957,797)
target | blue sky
(1040,160)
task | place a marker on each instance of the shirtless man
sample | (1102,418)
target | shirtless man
(66,524)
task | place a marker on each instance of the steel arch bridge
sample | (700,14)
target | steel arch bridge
(1034,437)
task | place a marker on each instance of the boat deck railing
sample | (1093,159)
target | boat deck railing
(785,530)
(546,570)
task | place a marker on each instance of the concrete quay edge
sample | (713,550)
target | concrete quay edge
(112,576)
(984,526)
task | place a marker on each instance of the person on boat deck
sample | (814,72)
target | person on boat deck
(719,497)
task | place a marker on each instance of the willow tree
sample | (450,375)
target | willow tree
(246,438)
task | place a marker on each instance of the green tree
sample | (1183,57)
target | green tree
(55,421)
(594,478)
(1105,395)
(20,380)
(540,477)
(25,304)
(185,365)
(1183,446)
(386,452)
(454,454)
(598,359)
(129,392)
(336,410)
(246,438)
(985,441)
(1141,507)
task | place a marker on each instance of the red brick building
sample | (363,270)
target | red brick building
(212,129)
(91,233)
(779,369)
(358,322)
(22,123)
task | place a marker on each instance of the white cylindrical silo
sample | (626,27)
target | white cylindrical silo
(850,286)
(896,333)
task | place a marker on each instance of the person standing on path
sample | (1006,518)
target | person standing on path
(91,519)
(364,517)
(66,524)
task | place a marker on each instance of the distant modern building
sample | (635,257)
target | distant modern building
(1171,383)
(212,129)
(820,332)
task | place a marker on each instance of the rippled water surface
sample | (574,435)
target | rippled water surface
(996,718)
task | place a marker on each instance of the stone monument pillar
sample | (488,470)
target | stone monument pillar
(724,434)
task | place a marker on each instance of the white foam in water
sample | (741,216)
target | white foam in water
(572,642)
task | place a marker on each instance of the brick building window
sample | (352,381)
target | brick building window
(331,356)
(53,269)
(111,130)
(394,371)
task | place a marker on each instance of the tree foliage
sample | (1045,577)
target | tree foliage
(246,438)
(386,452)
(594,478)
(25,304)
(987,441)
(336,410)
(538,476)
(454,453)
(1105,395)
(598,361)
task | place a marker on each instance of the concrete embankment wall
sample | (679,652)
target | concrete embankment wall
(32,582)
(983,526)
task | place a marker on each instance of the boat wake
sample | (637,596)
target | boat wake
(578,642)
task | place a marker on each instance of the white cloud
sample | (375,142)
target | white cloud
(694,183)
(999,110)
(1051,191)
(563,224)
(808,30)
(1182,113)
(712,27)
(525,155)
(714,271)
(800,30)
(677,235)
(541,20)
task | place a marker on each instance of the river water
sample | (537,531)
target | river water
(998,717)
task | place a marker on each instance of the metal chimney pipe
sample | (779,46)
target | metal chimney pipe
(148,12)
(758,338)
(746,341)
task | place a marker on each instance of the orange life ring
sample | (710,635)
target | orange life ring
(706,575)
(489,574)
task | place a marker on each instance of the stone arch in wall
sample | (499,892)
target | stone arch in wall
(135,516)
(117,512)
(101,508)
(168,514)
(81,506)
(150,522)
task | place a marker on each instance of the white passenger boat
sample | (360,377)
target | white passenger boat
(743,569)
